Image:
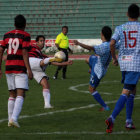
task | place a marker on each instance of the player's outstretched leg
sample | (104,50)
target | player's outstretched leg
(98,98)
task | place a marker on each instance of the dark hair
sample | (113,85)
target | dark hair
(40,36)
(65,27)
(107,32)
(20,21)
(133,11)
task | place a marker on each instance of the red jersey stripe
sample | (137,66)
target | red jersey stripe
(14,41)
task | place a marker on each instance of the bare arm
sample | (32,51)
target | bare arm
(83,45)
(70,62)
(1,55)
(112,49)
(26,61)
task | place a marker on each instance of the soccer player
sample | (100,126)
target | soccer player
(39,62)
(98,63)
(62,43)
(129,60)
(17,66)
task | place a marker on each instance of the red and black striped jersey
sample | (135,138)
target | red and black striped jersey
(14,41)
(35,51)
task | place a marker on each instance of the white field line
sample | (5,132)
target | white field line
(84,133)
(58,111)
(75,88)
(61,111)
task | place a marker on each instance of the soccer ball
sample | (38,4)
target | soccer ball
(60,55)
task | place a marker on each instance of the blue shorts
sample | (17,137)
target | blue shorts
(94,81)
(130,79)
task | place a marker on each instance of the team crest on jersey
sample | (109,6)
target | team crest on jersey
(127,58)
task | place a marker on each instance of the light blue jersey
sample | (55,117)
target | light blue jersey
(129,50)
(103,59)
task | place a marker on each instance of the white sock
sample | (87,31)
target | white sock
(46,60)
(47,96)
(11,103)
(17,108)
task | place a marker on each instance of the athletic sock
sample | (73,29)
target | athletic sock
(17,108)
(129,107)
(119,105)
(11,103)
(47,96)
(98,98)
(46,60)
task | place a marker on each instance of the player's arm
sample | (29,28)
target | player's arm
(70,62)
(113,52)
(26,61)
(57,41)
(83,45)
(1,56)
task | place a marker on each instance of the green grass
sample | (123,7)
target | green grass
(73,122)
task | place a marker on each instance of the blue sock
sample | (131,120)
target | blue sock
(129,107)
(119,105)
(98,98)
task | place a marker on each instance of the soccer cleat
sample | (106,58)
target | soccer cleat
(104,108)
(48,106)
(129,126)
(54,59)
(14,123)
(109,124)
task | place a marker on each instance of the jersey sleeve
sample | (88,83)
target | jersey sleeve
(58,39)
(116,35)
(26,42)
(99,50)
(117,45)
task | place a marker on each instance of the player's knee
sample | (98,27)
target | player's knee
(13,93)
(91,89)
(126,92)
(129,89)
(44,83)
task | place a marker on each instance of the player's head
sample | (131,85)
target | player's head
(65,30)
(133,11)
(106,33)
(40,41)
(20,22)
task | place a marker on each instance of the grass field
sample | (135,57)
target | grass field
(75,115)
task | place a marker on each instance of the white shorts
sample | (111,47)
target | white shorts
(15,81)
(38,72)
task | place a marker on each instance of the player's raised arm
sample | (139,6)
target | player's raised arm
(83,45)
